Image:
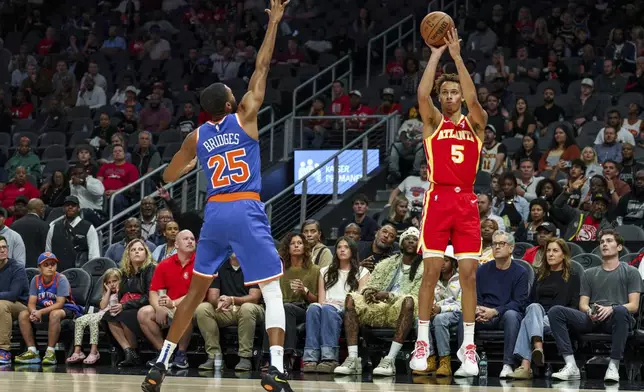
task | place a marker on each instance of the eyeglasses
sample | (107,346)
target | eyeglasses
(499,244)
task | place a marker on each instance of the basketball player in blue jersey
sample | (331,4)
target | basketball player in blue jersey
(234,219)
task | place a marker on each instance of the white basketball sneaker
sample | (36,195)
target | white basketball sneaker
(419,356)
(469,362)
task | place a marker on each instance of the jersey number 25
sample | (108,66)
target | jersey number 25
(231,160)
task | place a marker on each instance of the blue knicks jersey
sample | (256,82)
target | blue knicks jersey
(229,157)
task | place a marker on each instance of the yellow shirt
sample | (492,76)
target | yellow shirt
(309,277)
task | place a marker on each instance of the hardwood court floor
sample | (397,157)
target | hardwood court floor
(80,380)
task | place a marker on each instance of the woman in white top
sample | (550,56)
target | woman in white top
(324,318)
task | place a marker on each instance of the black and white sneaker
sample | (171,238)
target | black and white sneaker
(154,378)
(274,381)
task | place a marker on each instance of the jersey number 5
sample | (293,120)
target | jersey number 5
(457,153)
(233,161)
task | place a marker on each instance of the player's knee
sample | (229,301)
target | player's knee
(271,289)
(467,276)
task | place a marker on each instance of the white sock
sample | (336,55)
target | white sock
(423,330)
(353,351)
(394,350)
(614,363)
(32,349)
(570,360)
(277,357)
(219,360)
(49,348)
(468,334)
(166,353)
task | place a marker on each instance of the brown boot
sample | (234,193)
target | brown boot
(431,366)
(445,368)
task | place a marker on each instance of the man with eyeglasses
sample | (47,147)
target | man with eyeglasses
(14,293)
(501,296)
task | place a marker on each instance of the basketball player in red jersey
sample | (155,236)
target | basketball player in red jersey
(453,145)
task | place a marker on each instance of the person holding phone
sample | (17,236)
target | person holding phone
(562,151)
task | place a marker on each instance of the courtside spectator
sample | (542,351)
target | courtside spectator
(50,301)
(14,294)
(368,226)
(33,231)
(502,295)
(324,318)
(229,302)
(164,215)
(13,239)
(73,238)
(609,297)
(352,231)
(556,283)
(137,268)
(320,254)
(173,275)
(371,253)
(168,248)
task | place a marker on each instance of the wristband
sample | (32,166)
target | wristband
(306,290)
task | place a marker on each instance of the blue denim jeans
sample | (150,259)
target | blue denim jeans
(441,328)
(509,323)
(534,324)
(323,327)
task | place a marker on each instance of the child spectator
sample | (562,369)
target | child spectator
(111,282)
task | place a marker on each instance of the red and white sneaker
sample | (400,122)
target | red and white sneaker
(469,362)
(419,356)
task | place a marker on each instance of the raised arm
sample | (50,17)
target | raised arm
(254,98)
(430,115)
(184,160)
(477,115)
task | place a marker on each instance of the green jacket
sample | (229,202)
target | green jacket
(386,271)
(30,162)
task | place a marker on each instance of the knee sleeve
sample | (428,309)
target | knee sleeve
(275,317)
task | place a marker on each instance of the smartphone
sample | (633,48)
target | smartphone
(594,309)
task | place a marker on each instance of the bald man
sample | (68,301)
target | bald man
(33,230)
(172,276)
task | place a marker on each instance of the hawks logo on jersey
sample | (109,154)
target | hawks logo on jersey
(453,153)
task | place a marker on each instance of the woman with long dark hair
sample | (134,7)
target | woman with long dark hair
(299,287)
(522,122)
(548,190)
(527,150)
(54,192)
(324,318)
(556,284)
(539,210)
(563,150)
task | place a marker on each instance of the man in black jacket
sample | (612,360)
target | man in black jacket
(33,230)
(630,210)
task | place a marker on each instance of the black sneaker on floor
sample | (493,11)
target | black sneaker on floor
(274,381)
(154,379)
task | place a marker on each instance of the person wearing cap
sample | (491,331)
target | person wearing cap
(33,230)
(557,283)
(357,111)
(493,153)
(581,225)
(50,301)
(544,232)
(502,295)
(388,105)
(389,300)
(630,209)
(14,294)
(14,240)
(587,107)
(609,81)
(614,120)
(74,239)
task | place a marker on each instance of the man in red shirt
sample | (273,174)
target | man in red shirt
(340,98)
(388,105)
(46,44)
(356,109)
(293,55)
(117,175)
(396,67)
(168,288)
(545,232)
(18,187)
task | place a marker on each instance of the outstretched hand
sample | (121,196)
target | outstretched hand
(437,50)
(277,9)
(453,42)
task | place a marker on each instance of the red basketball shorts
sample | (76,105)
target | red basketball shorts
(450,213)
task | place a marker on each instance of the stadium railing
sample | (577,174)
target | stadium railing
(403,29)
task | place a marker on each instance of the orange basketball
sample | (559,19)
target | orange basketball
(434,27)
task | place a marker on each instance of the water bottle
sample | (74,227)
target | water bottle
(483,370)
